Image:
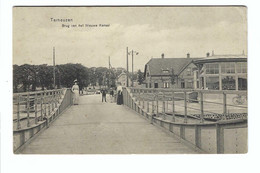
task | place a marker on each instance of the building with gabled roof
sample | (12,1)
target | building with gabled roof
(170,73)
(215,72)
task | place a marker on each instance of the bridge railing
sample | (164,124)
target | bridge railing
(34,106)
(212,129)
(198,104)
(33,111)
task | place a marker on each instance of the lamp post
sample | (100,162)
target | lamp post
(129,53)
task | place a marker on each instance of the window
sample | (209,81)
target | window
(150,85)
(188,71)
(212,69)
(241,67)
(165,71)
(228,83)
(228,67)
(189,84)
(155,85)
(148,74)
(166,84)
(182,84)
(242,83)
(212,83)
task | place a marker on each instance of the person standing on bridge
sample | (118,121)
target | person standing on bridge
(104,93)
(75,90)
(111,95)
(119,95)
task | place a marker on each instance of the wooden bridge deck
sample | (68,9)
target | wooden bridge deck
(93,127)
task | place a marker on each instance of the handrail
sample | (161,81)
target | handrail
(36,92)
(146,95)
(204,135)
(30,104)
(190,90)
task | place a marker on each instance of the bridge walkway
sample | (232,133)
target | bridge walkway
(93,127)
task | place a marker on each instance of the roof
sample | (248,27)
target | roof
(222,58)
(157,65)
(121,74)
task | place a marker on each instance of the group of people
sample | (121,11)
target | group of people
(115,94)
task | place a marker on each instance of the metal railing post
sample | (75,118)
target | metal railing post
(166,104)
(49,104)
(18,112)
(36,106)
(157,105)
(143,100)
(45,106)
(139,97)
(185,107)
(56,99)
(224,104)
(173,108)
(163,111)
(42,106)
(147,106)
(28,110)
(201,108)
(153,106)
(52,101)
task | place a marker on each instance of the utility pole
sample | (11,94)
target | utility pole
(132,68)
(127,67)
(54,68)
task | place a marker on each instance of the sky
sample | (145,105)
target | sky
(151,31)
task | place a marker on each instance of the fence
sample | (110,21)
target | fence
(33,111)
(209,120)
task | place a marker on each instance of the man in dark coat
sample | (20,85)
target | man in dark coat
(104,93)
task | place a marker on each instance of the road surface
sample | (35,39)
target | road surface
(93,127)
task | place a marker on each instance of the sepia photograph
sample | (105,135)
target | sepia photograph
(130,80)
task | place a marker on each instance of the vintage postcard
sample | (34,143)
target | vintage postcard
(130,80)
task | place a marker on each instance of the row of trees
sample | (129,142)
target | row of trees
(33,77)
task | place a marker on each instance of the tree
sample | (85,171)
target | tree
(140,77)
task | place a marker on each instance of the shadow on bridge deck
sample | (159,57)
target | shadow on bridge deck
(93,127)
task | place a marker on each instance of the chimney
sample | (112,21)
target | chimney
(188,55)
(162,55)
(208,54)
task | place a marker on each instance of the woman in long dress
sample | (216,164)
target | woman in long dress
(119,95)
(75,90)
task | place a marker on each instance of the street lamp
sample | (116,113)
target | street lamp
(129,53)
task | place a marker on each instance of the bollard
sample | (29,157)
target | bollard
(18,113)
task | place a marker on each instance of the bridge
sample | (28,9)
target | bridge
(150,121)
